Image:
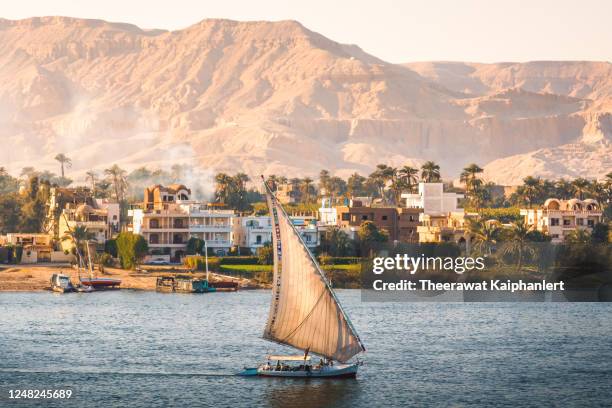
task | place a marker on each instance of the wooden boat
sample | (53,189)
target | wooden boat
(184,285)
(61,283)
(101,283)
(304,313)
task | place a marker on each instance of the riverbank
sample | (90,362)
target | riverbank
(32,278)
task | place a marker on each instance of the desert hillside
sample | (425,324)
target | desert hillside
(279,98)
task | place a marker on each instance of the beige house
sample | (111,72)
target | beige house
(168,218)
(102,223)
(449,227)
(558,218)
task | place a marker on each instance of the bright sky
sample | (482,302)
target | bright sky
(394,30)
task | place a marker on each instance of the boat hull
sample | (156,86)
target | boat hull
(337,371)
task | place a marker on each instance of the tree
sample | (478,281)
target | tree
(430,172)
(581,186)
(118,180)
(92,176)
(64,161)
(518,242)
(578,236)
(600,233)
(410,176)
(306,188)
(324,178)
(195,246)
(265,254)
(381,176)
(8,183)
(484,236)
(469,177)
(355,185)
(336,242)
(369,233)
(10,212)
(33,205)
(531,189)
(131,248)
(80,237)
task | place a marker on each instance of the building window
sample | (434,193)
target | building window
(177,239)
(555,236)
(154,239)
(579,221)
(114,217)
(591,223)
(154,223)
(364,217)
(307,238)
(567,223)
(554,222)
(258,239)
(384,218)
(346,217)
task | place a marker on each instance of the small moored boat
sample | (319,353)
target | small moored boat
(61,283)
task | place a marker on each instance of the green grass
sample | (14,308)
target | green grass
(246,268)
(342,267)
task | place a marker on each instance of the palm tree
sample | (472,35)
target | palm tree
(532,187)
(517,243)
(469,177)
(28,172)
(272,182)
(381,176)
(578,236)
(306,185)
(93,176)
(564,189)
(430,172)
(484,236)
(581,186)
(118,178)
(410,176)
(64,161)
(80,237)
(223,187)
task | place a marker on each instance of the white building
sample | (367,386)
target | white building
(432,199)
(169,218)
(558,218)
(328,215)
(255,231)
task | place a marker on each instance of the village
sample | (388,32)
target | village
(167,231)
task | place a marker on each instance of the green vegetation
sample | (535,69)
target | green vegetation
(131,248)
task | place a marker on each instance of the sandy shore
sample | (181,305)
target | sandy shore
(37,277)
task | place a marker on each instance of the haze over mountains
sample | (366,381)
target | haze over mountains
(279,98)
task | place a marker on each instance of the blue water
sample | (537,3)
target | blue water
(145,349)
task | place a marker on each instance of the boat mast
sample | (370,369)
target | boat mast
(206,258)
(325,280)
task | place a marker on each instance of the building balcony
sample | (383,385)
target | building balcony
(205,227)
(215,243)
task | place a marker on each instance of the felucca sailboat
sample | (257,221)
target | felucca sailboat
(305,312)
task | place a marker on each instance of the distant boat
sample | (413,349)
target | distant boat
(305,312)
(61,283)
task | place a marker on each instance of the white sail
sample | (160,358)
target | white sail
(304,312)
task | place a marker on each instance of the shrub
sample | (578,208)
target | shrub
(239,260)
(110,247)
(198,263)
(131,248)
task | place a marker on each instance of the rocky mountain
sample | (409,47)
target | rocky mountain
(267,97)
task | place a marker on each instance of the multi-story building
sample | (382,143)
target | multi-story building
(432,199)
(255,231)
(399,223)
(102,222)
(168,218)
(558,218)
(449,227)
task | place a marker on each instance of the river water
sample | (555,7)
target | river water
(146,349)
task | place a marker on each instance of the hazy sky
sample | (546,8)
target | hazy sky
(394,30)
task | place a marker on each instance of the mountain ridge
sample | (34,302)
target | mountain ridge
(266,97)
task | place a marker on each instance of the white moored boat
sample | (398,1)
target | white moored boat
(305,312)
